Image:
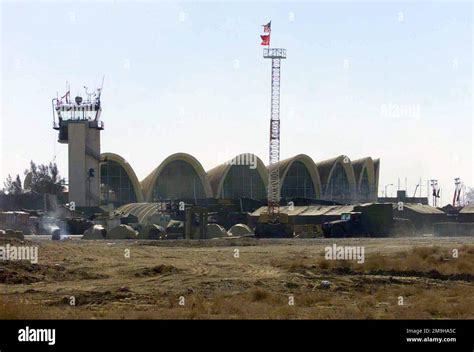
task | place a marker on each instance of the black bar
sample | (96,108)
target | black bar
(350,335)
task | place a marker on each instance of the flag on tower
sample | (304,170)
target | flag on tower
(265,39)
(267,28)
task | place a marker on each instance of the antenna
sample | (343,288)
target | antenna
(436,190)
(457,192)
(99,90)
(89,95)
(416,188)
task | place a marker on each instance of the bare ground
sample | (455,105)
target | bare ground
(207,279)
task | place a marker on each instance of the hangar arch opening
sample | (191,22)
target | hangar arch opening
(298,182)
(338,188)
(118,183)
(178,180)
(243,181)
(178,177)
(365,176)
(244,176)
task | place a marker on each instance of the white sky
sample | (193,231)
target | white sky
(190,77)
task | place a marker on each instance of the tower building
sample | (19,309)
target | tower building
(79,126)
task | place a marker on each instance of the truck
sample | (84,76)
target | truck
(350,225)
(367,220)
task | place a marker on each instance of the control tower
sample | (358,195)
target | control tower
(79,126)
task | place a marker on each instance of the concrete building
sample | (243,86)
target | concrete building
(79,126)
(181,177)
(97,179)
(83,139)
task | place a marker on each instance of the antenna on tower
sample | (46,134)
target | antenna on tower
(99,90)
(89,95)
(68,89)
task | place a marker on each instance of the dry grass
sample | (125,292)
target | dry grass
(261,284)
(419,259)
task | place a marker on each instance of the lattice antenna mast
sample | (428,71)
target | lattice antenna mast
(274,175)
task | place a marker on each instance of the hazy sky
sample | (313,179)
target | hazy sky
(387,80)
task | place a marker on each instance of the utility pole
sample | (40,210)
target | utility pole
(387,185)
(420,187)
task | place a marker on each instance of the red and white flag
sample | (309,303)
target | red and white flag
(265,39)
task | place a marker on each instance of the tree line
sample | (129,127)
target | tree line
(43,178)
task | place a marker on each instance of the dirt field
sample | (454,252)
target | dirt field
(240,278)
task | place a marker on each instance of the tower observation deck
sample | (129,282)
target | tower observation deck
(66,111)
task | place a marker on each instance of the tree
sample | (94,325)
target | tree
(11,186)
(470,195)
(45,178)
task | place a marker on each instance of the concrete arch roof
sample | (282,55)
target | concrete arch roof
(104,157)
(285,165)
(218,174)
(141,210)
(148,182)
(361,165)
(326,169)
(377,173)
